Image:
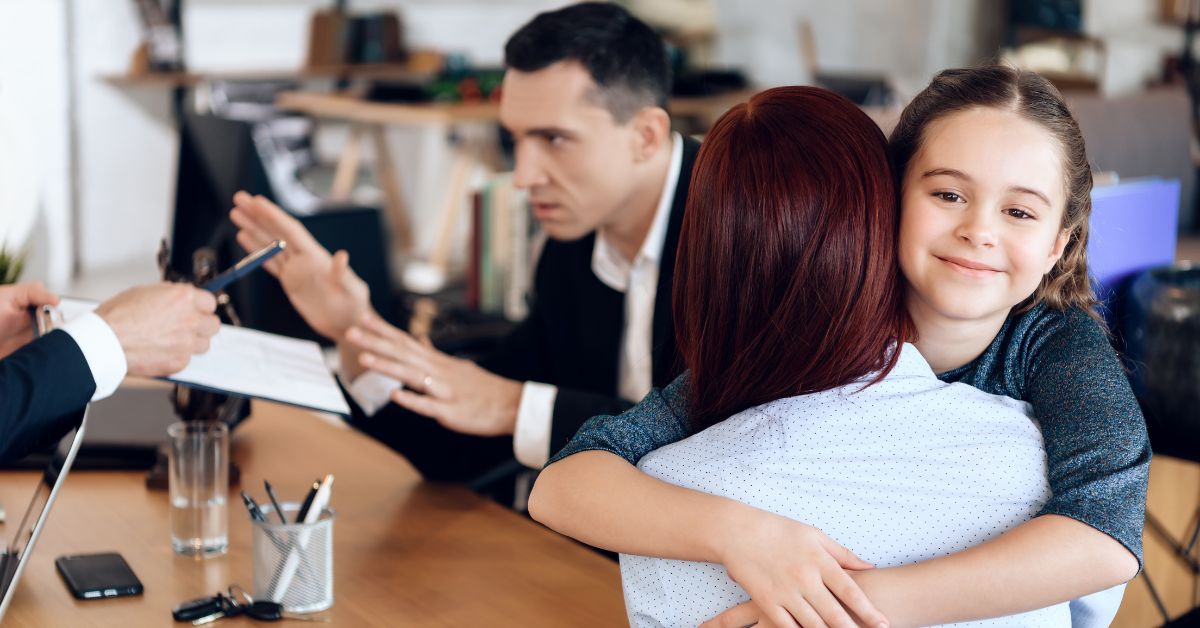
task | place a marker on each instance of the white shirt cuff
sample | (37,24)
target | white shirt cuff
(101,349)
(371,390)
(535,415)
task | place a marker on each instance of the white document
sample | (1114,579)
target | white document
(267,366)
(252,363)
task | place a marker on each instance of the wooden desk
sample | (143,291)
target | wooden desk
(406,552)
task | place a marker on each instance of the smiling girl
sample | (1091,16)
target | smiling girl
(995,196)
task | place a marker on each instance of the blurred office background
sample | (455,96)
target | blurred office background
(123,122)
(92,159)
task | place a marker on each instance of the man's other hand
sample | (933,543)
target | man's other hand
(456,393)
(322,287)
(16,327)
(160,326)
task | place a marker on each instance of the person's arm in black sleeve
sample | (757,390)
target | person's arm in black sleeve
(44,385)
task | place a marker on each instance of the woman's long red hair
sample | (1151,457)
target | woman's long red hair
(786,281)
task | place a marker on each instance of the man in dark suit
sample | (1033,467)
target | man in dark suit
(44,383)
(584,97)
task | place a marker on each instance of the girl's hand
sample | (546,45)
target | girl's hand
(795,574)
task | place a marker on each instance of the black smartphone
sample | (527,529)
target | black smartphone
(92,576)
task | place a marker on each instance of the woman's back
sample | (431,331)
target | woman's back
(904,470)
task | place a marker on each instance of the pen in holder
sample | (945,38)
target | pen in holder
(293,562)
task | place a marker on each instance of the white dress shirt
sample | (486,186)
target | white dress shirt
(637,279)
(898,472)
(101,349)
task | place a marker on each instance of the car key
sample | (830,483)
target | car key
(264,610)
(197,608)
(230,611)
(229,608)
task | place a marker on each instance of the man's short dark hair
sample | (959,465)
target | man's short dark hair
(625,57)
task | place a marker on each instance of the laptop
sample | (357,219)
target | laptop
(15,556)
(127,431)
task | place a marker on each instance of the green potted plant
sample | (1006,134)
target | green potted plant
(11,264)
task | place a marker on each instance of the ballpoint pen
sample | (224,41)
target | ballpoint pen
(246,266)
(308,500)
(252,506)
(274,502)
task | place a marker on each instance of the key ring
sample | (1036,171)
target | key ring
(235,590)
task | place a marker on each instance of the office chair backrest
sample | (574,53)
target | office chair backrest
(261,302)
(216,159)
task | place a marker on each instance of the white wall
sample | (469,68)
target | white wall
(236,34)
(35,170)
(908,40)
(1135,42)
(126,142)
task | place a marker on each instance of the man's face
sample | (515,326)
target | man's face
(576,161)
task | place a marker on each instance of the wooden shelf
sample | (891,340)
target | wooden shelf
(355,109)
(397,72)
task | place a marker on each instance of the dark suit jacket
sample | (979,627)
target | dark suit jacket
(571,339)
(43,387)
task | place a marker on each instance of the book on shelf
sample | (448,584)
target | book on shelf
(504,244)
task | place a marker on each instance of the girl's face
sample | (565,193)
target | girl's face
(981,216)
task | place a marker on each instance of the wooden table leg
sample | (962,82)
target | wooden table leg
(347,166)
(393,195)
(464,160)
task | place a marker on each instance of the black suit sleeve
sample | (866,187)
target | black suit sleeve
(44,385)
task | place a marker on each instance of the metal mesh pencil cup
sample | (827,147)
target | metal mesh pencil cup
(293,562)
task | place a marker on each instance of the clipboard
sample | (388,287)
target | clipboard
(254,364)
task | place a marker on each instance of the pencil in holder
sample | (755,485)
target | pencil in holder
(293,562)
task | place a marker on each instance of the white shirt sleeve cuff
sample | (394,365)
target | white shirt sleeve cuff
(371,390)
(101,349)
(535,415)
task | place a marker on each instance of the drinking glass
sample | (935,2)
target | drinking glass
(199,486)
